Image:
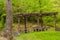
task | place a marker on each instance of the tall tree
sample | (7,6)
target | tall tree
(8,26)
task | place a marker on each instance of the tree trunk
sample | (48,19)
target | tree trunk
(9,18)
(54,21)
(19,25)
(41,22)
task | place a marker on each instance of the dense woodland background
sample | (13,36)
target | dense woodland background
(31,6)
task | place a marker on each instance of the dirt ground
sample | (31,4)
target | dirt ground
(2,38)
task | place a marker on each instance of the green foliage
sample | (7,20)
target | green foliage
(35,5)
(2,14)
(48,21)
(40,36)
(26,5)
(2,23)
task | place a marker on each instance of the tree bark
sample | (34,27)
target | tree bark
(9,19)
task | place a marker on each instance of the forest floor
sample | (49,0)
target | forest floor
(45,35)
(2,38)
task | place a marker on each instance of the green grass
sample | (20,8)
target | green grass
(52,35)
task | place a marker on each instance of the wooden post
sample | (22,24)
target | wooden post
(25,23)
(9,19)
(18,24)
(54,21)
(41,23)
(38,23)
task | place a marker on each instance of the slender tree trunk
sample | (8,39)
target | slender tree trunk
(8,26)
(41,22)
(40,6)
(25,23)
(54,21)
(19,25)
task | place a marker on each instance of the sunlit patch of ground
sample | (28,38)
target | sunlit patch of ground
(46,35)
(2,38)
